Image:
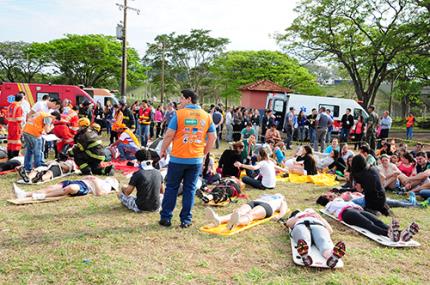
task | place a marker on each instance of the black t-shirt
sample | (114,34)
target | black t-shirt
(228,158)
(374,193)
(148,184)
(339,163)
(422,169)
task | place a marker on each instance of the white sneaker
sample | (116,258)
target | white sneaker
(20,194)
(212,216)
(38,196)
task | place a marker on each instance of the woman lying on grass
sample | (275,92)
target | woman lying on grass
(354,215)
(306,227)
(263,207)
(267,171)
(89,184)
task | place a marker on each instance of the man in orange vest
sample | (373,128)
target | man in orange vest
(15,117)
(192,133)
(37,125)
(410,122)
(127,143)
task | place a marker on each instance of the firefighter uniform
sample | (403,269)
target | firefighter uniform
(88,151)
(15,117)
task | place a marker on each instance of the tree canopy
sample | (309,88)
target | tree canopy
(186,56)
(365,36)
(237,68)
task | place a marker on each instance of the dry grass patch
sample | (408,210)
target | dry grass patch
(94,240)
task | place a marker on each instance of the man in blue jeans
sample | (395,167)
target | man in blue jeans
(192,134)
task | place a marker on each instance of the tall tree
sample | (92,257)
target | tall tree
(186,57)
(94,60)
(365,36)
(237,68)
(11,55)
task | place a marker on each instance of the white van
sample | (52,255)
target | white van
(280,103)
(101,95)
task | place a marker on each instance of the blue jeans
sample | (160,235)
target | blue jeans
(312,135)
(33,150)
(344,132)
(144,134)
(301,131)
(409,133)
(424,193)
(390,202)
(188,174)
(127,151)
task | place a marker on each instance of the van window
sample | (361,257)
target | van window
(80,99)
(278,106)
(52,95)
(333,108)
(357,113)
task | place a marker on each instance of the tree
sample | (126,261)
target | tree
(94,60)
(365,36)
(186,57)
(236,68)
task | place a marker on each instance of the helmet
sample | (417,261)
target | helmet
(96,127)
(84,122)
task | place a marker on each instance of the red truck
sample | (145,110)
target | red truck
(35,92)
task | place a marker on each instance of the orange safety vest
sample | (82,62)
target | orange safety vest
(190,137)
(14,112)
(410,121)
(35,125)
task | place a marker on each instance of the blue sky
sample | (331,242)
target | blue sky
(247,23)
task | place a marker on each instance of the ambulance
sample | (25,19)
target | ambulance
(280,104)
(36,91)
(102,96)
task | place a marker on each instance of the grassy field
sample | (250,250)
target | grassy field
(94,240)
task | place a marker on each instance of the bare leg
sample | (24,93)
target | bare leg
(243,210)
(47,176)
(256,213)
(60,191)
(390,182)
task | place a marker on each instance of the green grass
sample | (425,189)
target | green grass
(94,240)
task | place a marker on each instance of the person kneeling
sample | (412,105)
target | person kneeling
(127,143)
(306,227)
(148,183)
(89,184)
(261,208)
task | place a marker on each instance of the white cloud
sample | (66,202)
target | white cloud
(247,24)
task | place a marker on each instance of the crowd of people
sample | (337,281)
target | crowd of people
(182,136)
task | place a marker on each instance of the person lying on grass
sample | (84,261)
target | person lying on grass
(88,184)
(45,173)
(354,215)
(12,163)
(267,171)
(148,184)
(309,227)
(263,207)
(358,198)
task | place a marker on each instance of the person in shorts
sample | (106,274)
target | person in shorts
(89,184)
(148,183)
(263,207)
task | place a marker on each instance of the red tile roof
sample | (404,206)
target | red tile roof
(265,85)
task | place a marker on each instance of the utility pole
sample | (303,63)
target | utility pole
(162,73)
(124,7)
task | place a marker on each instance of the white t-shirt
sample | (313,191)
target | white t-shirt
(389,170)
(334,207)
(274,200)
(267,171)
(25,109)
(41,106)
(125,137)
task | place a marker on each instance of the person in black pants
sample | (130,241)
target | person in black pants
(354,215)
(267,122)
